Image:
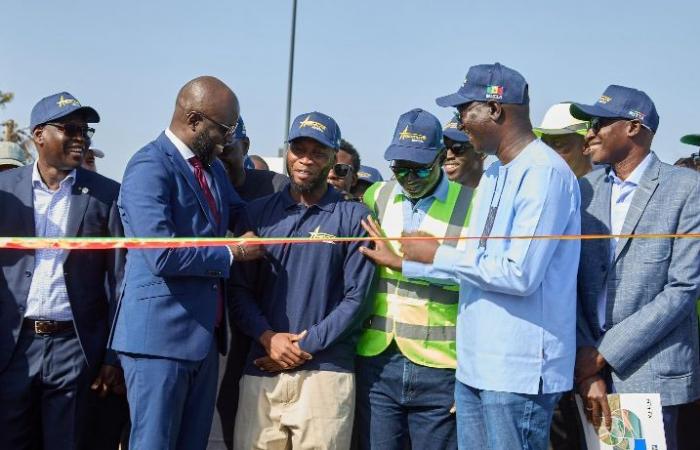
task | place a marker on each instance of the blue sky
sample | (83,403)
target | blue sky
(362,62)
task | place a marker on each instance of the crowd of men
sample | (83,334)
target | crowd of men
(449,335)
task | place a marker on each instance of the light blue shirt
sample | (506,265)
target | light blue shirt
(620,200)
(413,216)
(517,306)
(48,296)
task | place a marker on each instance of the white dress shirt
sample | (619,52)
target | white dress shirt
(48,296)
(620,201)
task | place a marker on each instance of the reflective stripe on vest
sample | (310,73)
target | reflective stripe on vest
(410,331)
(409,289)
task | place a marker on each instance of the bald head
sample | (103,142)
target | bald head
(205,111)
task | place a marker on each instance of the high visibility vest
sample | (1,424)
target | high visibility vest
(421,317)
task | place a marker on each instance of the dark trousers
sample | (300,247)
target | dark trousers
(398,400)
(230,372)
(171,401)
(566,432)
(108,423)
(44,393)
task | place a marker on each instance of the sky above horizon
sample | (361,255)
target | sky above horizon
(364,63)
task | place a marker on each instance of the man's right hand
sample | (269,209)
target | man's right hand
(381,254)
(595,401)
(283,348)
(245,251)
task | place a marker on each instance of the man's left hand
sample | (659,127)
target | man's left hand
(589,362)
(110,379)
(419,250)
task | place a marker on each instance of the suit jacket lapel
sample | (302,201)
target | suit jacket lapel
(184,168)
(78,204)
(646,188)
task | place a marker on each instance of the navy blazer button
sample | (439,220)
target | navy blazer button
(215,287)
(27,273)
(21,309)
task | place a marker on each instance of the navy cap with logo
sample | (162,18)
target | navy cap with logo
(489,82)
(417,138)
(59,105)
(620,102)
(369,174)
(452,131)
(240,132)
(317,126)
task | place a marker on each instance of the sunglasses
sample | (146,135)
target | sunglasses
(342,170)
(71,129)
(228,130)
(419,172)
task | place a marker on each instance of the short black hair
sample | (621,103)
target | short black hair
(692,162)
(352,151)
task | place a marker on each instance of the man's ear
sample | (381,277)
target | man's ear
(495,110)
(634,127)
(38,135)
(192,119)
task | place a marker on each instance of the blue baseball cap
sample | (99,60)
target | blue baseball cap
(59,105)
(240,132)
(317,126)
(417,138)
(486,82)
(369,174)
(620,102)
(452,131)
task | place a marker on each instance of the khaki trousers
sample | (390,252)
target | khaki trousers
(306,409)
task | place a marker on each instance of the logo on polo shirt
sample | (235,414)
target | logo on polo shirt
(321,236)
(67,102)
(494,92)
(318,126)
(411,136)
(604,99)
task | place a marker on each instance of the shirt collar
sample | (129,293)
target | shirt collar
(184,150)
(636,175)
(439,194)
(38,182)
(327,202)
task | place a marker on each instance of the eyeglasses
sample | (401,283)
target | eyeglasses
(597,123)
(420,172)
(459,148)
(342,170)
(72,129)
(228,130)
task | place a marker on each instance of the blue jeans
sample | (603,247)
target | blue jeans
(398,400)
(502,420)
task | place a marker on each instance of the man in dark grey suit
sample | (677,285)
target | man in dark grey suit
(56,305)
(637,328)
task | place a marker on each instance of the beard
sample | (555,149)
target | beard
(310,185)
(204,148)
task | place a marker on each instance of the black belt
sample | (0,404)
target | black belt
(47,326)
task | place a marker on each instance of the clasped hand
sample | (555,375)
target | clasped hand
(283,351)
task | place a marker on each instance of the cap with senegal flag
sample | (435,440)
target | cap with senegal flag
(620,102)
(489,82)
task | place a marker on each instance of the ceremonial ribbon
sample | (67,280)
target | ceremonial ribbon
(101,243)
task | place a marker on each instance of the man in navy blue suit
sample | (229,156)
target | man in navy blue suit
(171,317)
(56,305)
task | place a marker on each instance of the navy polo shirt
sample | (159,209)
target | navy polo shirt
(318,287)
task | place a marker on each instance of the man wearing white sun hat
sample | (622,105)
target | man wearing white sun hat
(565,134)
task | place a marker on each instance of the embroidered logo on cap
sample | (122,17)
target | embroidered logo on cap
(636,114)
(318,126)
(411,136)
(494,92)
(450,125)
(67,102)
(604,99)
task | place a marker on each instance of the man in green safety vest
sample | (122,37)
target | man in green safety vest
(407,355)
